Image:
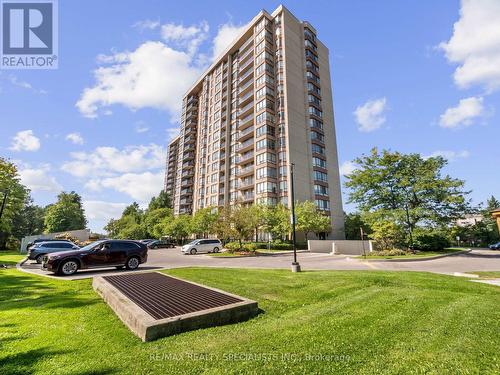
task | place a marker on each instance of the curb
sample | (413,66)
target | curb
(417,259)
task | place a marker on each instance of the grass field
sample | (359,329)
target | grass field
(313,322)
(10,257)
(487,274)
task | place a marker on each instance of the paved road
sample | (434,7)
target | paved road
(477,260)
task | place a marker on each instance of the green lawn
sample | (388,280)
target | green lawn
(422,254)
(361,322)
(10,257)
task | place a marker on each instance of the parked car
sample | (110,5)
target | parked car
(495,246)
(160,245)
(147,240)
(38,250)
(103,253)
(38,240)
(202,246)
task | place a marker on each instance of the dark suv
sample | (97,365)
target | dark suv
(104,253)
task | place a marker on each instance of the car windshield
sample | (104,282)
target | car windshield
(193,242)
(90,246)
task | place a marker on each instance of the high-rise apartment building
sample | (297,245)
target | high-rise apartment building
(265,103)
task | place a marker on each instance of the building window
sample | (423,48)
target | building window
(322,204)
(315,123)
(266,172)
(266,157)
(320,176)
(317,136)
(320,190)
(265,143)
(315,111)
(318,149)
(317,162)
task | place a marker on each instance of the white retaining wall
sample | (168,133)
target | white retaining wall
(346,247)
(81,234)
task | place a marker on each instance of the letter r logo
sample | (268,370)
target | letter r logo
(27,28)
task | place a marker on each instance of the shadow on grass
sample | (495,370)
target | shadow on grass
(18,292)
(25,362)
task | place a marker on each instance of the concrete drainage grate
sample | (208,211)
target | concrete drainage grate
(155,305)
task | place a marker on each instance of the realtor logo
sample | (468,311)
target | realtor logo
(29,34)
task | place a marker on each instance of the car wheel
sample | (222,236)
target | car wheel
(132,263)
(192,251)
(39,258)
(216,249)
(68,268)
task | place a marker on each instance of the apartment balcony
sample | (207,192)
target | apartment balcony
(188,156)
(243,78)
(244,99)
(186,192)
(187,174)
(185,210)
(245,122)
(245,134)
(245,158)
(187,182)
(248,63)
(188,165)
(246,171)
(245,109)
(247,44)
(243,88)
(245,197)
(185,201)
(245,146)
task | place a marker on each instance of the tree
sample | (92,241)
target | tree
(222,226)
(203,222)
(179,227)
(154,221)
(161,201)
(353,223)
(258,216)
(409,188)
(278,221)
(240,223)
(310,219)
(16,197)
(66,214)
(28,220)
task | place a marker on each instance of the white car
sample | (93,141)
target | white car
(202,246)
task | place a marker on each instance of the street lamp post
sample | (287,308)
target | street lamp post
(295,264)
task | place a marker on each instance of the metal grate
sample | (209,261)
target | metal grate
(163,297)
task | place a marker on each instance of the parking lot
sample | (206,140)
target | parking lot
(476,260)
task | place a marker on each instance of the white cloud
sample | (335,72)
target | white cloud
(140,186)
(158,73)
(154,75)
(19,83)
(463,114)
(147,25)
(189,38)
(225,35)
(475,45)
(103,211)
(76,138)
(39,179)
(25,141)
(347,167)
(450,155)
(107,161)
(141,127)
(370,116)
(172,133)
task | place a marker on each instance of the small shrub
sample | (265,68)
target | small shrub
(385,253)
(428,241)
(232,247)
(281,246)
(249,247)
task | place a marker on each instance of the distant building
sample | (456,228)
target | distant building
(470,219)
(496,215)
(264,103)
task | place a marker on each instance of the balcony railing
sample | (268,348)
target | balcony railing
(248,130)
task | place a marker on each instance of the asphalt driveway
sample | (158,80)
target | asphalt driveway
(476,260)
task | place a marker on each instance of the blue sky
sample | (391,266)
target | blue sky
(412,76)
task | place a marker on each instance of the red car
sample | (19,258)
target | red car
(99,254)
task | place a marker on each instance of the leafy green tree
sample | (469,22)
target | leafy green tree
(66,214)
(258,216)
(16,198)
(28,220)
(222,226)
(203,222)
(278,221)
(353,223)
(154,221)
(161,201)
(310,219)
(179,227)
(240,223)
(409,188)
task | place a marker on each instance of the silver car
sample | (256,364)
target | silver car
(38,250)
(202,246)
